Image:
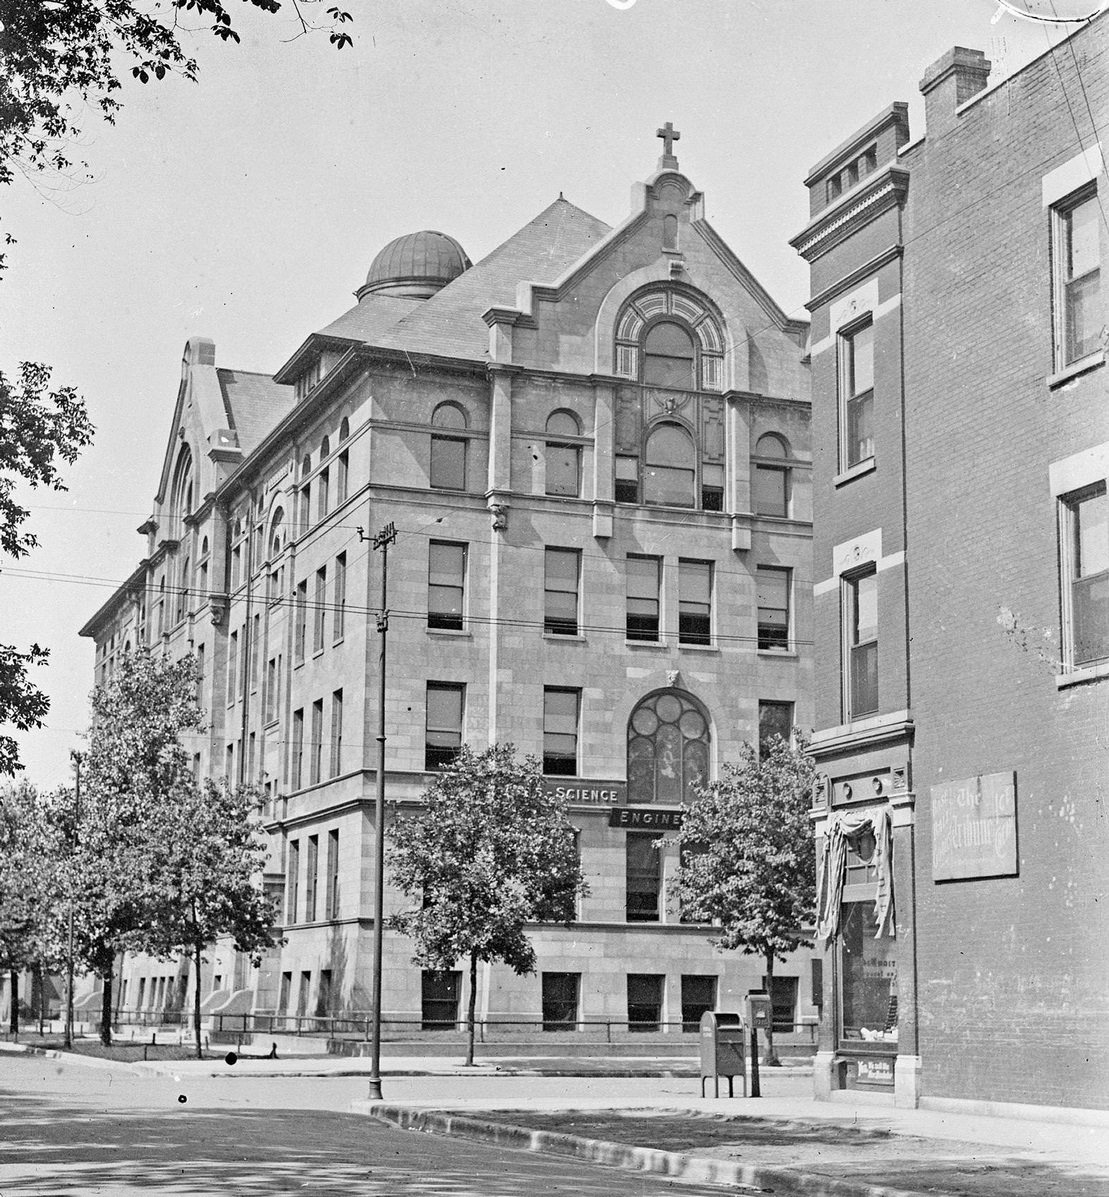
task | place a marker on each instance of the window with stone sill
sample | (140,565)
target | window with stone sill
(1076,259)
(447,469)
(562,461)
(856,395)
(771,477)
(1084,560)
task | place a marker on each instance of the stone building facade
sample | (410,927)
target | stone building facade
(961,600)
(594,446)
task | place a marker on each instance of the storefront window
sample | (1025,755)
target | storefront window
(868,978)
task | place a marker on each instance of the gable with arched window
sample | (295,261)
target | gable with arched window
(669,436)
(668,748)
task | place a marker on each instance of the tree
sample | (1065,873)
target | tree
(492,851)
(748,863)
(38,428)
(30,885)
(135,769)
(205,857)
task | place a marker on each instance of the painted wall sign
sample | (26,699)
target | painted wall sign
(876,1072)
(645,818)
(974,827)
(590,793)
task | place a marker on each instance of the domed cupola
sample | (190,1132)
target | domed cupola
(415,266)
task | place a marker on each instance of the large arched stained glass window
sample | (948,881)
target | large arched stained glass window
(668,748)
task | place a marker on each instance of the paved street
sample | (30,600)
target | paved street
(70,1129)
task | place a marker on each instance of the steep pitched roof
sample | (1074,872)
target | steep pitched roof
(450,323)
(254,403)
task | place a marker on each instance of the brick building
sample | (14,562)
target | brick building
(961,596)
(594,445)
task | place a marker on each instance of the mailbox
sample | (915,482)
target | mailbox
(760,1013)
(722,1038)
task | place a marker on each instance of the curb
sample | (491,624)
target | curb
(749,1177)
(28,1049)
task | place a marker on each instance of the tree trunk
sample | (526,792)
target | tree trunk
(106,1005)
(471,1010)
(196,1001)
(771,1056)
(42,998)
(13,1013)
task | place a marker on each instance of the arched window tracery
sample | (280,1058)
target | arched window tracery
(669,738)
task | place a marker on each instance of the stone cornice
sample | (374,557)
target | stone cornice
(877,194)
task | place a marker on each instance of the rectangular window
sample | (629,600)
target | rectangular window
(319,610)
(561,574)
(1085,588)
(712,487)
(446,584)
(336,763)
(563,470)
(560,1001)
(300,622)
(322,496)
(627,479)
(283,993)
(772,590)
(642,617)
(1079,317)
(251,748)
(857,396)
(273,680)
(304,514)
(448,463)
(315,745)
(323,995)
(293,882)
(232,666)
(302,994)
(440,992)
(643,870)
(311,878)
(339,628)
(867,976)
(694,602)
(200,678)
(775,719)
(443,735)
(560,730)
(230,761)
(771,490)
(342,470)
(645,1001)
(331,895)
(698,995)
(861,594)
(297,763)
(256,649)
(783,1002)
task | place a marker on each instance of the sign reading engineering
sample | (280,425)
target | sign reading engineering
(974,827)
(645,818)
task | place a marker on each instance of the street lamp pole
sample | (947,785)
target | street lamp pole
(381,541)
(77,758)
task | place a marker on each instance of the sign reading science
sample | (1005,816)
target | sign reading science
(590,793)
(974,827)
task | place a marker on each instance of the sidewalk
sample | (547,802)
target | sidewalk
(789,1143)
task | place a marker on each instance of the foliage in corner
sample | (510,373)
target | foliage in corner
(748,862)
(491,852)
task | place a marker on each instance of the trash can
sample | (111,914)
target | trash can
(723,1040)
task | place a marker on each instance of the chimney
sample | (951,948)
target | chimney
(952,80)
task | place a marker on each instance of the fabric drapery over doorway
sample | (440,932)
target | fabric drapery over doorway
(841,830)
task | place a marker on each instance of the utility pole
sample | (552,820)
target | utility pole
(381,541)
(77,758)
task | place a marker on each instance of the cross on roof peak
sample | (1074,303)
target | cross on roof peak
(669,135)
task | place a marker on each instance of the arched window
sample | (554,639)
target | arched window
(668,748)
(304,504)
(770,482)
(183,580)
(181,493)
(448,453)
(344,429)
(563,461)
(669,359)
(325,448)
(277,532)
(670,466)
